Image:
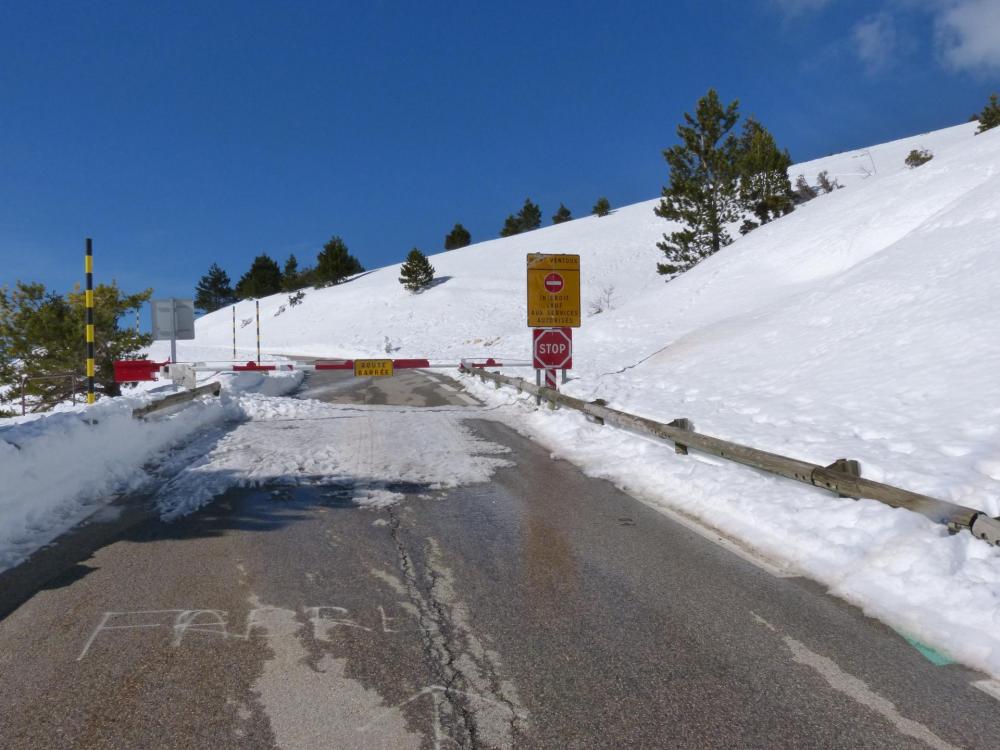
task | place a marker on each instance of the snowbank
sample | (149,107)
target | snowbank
(59,468)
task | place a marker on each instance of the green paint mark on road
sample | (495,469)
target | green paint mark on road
(934,656)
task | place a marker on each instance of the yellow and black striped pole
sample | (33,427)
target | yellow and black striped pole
(258,332)
(88,268)
(234,333)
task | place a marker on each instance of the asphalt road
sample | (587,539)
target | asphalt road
(542,609)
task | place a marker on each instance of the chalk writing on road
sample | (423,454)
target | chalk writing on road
(178,624)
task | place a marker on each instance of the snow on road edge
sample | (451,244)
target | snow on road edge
(60,468)
(898,566)
(362,453)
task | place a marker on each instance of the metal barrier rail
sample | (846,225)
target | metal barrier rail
(177,398)
(842,477)
(348,364)
(136,370)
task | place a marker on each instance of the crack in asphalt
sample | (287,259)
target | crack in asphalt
(444,626)
(443,664)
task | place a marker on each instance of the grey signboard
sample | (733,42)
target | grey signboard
(173,319)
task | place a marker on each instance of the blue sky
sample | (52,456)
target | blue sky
(181,134)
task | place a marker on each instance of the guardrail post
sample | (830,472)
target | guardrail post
(682,423)
(986,528)
(842,477)
(593,417)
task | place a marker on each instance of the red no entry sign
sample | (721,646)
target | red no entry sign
(553,283)
(553,348)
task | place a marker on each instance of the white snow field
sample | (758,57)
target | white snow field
(864,325)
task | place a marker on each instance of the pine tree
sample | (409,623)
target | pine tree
(293,279)
(530,216)
(290,274)
(602,207)
(334,263)
(702,192)
(417,272)
(308,276)
(511,226)
(214,291)
(990,116)
(917,158)
(562,215)
(458,237)
(826,184)
(263,279)
(764,188)
(803,190)
(42,333)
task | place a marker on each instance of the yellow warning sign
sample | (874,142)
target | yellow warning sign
(553,291)
(372,368)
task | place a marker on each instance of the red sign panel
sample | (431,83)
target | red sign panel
(553,283)
(553,348)
(134,370)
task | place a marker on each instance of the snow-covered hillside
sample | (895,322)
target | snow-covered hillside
(478,306)
(863,325)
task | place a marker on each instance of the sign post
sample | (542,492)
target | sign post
(552,350)
(88,269)
(553,311)
(173,319)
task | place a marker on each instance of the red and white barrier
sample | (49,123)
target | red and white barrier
(131,371)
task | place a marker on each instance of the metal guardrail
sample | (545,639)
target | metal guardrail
(177,398)
(842,477)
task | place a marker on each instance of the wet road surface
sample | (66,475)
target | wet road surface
(542,609)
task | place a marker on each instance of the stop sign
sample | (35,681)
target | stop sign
(553,348)
(553,283)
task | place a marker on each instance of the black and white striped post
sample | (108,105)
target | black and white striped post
(88,269)
(258,331)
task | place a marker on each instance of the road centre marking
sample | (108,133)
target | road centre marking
(467,399)
(449,387)
(857,689)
